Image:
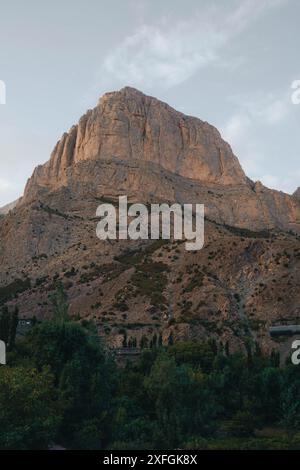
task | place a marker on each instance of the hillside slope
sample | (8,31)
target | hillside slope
(245,279)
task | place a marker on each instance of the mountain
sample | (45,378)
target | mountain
(297,193)
(8,207)
(136,145)
(165,155)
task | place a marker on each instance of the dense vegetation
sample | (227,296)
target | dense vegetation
(62,386)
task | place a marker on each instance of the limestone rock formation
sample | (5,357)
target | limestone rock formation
(135,144)
(132,144)
(129,126)
(297,194)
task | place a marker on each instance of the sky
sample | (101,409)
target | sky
(231,63)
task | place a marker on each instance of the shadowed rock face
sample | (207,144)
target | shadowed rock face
(233,289)
(297,194)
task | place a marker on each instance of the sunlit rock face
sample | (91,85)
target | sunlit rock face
(135,144)
(239,284)
(130,126)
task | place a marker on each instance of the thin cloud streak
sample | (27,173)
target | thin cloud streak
(167,54)
(252,113)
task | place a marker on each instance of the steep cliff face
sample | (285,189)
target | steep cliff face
(297,194)
(135,144)
(129,126)
(132,144)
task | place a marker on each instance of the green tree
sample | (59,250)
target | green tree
(60,304)
(290,400)
(83,373)
(181,401)
(29,410)
(4,324)
(8,326)
(13,324)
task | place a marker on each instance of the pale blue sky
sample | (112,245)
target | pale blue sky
(229,62)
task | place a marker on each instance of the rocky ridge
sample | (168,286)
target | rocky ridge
(136,145)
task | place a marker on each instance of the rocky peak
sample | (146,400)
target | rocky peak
(135,144)
(297,193)
(129,126)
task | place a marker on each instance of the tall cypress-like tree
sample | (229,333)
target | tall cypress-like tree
(60,304)
(8,326)
(13,323)
(4,324)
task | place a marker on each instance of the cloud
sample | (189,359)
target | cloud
(252,111)
(153,55)
(255,115)
(266,108)
(246,12)
(168,53)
